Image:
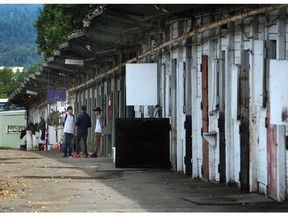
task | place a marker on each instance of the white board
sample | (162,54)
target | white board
(141,84)
(278,91)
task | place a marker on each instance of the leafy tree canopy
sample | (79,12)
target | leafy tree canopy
(56,22)
(7,82)
(20,76)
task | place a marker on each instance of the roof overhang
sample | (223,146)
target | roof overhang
(109,30)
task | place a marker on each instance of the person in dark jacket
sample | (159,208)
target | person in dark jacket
(83,122)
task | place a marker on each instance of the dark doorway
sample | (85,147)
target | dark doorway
(244,122)
(222,146)
(205,146)
(188,156)
(221,91)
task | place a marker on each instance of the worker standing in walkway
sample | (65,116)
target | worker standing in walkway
(69,131)
(83,122)
(98,130)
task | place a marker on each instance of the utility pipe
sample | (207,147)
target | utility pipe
(183,37)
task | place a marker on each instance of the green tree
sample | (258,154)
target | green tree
(19,76)
(56,22)
(7,82)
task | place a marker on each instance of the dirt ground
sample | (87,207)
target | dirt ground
(43,181)
(38,181)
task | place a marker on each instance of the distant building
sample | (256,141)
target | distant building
(11,125)
(4,105)
(14,69)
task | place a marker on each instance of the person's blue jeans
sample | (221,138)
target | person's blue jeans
(68,143)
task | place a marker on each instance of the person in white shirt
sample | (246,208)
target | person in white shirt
(69,131)
(98,130)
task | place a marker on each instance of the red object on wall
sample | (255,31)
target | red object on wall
(110,107)
(272,160)
(46,140)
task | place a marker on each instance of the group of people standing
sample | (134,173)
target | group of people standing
(79,126)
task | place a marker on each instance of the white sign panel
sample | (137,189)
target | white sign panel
(278,90)
(141,84)
(74,62)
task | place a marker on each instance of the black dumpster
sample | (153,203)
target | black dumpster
(142,143)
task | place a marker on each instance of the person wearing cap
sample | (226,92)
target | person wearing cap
(83,122)
(98,130)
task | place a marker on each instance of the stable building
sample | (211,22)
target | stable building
(221,73)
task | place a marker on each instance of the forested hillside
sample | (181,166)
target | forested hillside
(18,34)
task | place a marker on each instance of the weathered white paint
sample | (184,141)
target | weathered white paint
(258,71)
(146,112)
(196,166)
(258,160)
(163,88)
(137,110)
(166,107)
(29,140)
(262,167)
(229,151)
(212,135)
(232,61)
(278,89)
(180,117)
(198,140)
(235,70)
(235,124)
(220,64)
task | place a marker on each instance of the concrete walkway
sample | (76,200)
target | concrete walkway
(43,181)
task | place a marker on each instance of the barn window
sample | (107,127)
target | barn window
(14,129)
